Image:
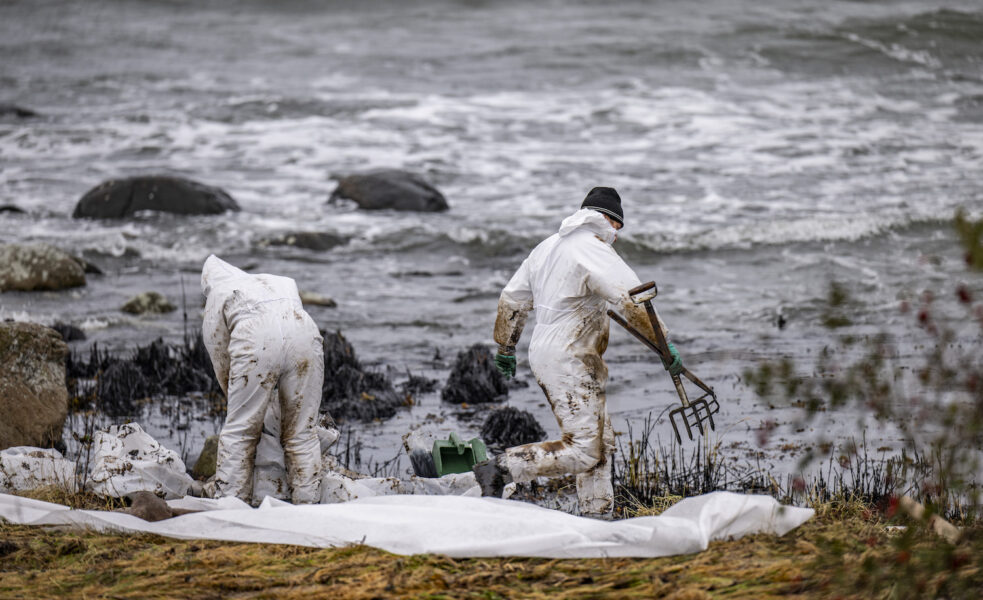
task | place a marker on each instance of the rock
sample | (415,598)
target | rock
(349,390)
(315,299)
(205,465)
(33,397)
(69,332)
(119,198)
(474,379)
(32,267)
(12,110)
(148,506)
(509,426)
(148,302)
(10,208)
(308,240)
(390,189)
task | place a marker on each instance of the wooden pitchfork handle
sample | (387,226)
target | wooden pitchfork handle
(648,343)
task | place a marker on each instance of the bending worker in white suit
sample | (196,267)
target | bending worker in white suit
(570,279)
(263,346)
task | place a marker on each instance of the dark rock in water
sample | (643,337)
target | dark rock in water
(10,208)
(32,267)
(148,303)
(12,110)
(509,426)
(308,240)
(69,332)
(207,460)
(119,198)
(474,379)
(351,392)
(33,398)
(391,189)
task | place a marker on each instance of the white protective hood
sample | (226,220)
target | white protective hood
(592,221)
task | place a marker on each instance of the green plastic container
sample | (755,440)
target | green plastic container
(456,456)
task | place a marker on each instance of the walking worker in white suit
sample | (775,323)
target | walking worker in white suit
(570,278)
(264,348)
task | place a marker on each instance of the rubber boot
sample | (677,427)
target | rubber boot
(491,477)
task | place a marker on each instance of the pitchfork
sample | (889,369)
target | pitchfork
(692,414)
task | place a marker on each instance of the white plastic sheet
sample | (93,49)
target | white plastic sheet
(126,460)
(27,468)
(458,526)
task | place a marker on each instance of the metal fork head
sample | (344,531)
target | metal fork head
(694,416)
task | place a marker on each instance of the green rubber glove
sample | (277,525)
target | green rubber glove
(505,364)
(676,367)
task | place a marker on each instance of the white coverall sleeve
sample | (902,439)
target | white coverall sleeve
(610,278)
(216,335)
(513,307)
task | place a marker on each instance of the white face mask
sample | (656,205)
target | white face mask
(616,232)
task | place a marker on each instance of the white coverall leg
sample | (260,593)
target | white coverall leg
(570,279)
(303,378)
(264,348)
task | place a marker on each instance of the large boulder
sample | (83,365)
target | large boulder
(391,189)
(119,198)
(33,396)
(474,379)
(30,267)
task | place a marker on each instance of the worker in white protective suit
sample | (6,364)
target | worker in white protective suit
(264,347)
(570,279)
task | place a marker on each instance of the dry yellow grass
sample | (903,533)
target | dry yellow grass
(46,564)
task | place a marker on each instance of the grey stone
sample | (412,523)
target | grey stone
(148,303)
(31,267)
(205,465)
(119,198)
(391,189)
(33,396)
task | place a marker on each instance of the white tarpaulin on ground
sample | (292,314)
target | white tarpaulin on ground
(458,526)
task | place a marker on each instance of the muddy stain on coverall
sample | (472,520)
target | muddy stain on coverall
(570,279)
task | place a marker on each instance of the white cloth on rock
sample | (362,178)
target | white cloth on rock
(265,349)
(570,279)
(127,459)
